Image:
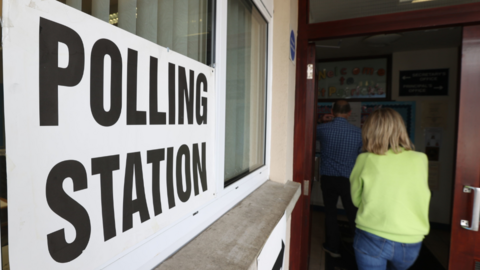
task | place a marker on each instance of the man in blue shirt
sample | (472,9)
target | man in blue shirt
(340,144)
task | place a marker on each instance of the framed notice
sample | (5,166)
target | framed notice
(428,82)
(362,79)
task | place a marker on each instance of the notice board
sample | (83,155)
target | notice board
(405,108)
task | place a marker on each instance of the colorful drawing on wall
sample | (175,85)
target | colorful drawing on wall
(405,108)
(323,109)
(357,79)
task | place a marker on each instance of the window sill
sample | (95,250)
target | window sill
(236,239)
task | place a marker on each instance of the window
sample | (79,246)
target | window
(245,90)
(189,27)
(185,26)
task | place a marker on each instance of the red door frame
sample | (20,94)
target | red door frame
(458,15)
(466,250)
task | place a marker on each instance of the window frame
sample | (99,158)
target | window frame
(160,246)
(254,179)
(241,176)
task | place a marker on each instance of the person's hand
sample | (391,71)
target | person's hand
(327,118)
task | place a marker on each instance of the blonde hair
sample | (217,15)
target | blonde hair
(384,130)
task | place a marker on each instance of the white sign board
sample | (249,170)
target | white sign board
(109,137)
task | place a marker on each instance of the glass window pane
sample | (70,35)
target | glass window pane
(326,11)
(184,26)
(246,90)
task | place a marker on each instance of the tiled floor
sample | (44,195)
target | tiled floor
(437,241)
(317,237)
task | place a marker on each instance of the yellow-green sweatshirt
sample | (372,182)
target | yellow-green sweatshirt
(392,195)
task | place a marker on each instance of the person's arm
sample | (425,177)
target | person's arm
(356,181)
(425,170)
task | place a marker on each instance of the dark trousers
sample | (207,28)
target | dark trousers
(332,188)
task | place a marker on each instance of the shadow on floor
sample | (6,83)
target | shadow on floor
(321,261)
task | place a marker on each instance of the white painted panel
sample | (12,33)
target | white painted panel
(273,252)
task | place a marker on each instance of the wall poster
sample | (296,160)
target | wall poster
(356,79)
(99,129)
(434,114)
(433,143)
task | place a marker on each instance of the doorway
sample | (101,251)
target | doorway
(465,253)
(415,73)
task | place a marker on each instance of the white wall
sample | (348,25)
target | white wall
(283,99)
(283,91)
(441,201)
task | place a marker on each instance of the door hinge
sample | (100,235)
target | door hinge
(309,71)
(306,187)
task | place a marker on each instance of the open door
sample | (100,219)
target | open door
(304,154)
(465,239)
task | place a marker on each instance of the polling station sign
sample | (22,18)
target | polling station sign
(109,137)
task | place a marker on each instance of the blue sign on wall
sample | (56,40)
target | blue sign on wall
(292,45)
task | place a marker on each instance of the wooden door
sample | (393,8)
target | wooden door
(304,154)
(465,244)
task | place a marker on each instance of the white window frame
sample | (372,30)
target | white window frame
(158,247)
(263,173)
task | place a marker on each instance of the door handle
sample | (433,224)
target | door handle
(476,209)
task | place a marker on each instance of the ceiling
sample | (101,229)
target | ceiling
(324,11)
(408,41)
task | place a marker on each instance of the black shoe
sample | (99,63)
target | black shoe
(333,254)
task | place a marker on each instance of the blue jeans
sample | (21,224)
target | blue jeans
(374,252)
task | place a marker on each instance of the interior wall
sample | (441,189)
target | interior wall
(283,93)
(441,200)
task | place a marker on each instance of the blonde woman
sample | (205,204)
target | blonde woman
(389,185)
